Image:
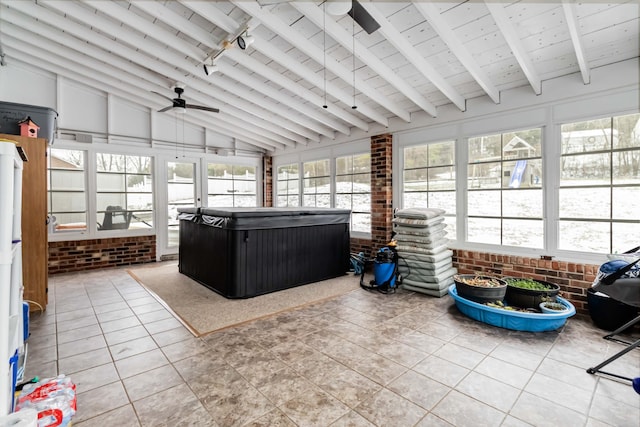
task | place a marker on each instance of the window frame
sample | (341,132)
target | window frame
(125,174)
(51,191)
(353,233)
(609,188)
(232,180)
(503,191)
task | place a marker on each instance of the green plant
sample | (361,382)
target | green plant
(528,284)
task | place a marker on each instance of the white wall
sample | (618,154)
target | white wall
(106,117)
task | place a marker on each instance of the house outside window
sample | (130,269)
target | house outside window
(429,179)
(316,184)
(353,189)
(288,186)
(599,195)
(124,192)
(231,185)
(504,189)
(67,197)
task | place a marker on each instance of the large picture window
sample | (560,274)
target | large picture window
(353,189)
(599,196)
(429,179)
(316,184)
(67,198)
(124,192)
(231,185)
(504,189)
(288,186)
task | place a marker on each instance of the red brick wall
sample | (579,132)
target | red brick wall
(381,190)
(361,245)
(268,181)
(81,255)
(573,279)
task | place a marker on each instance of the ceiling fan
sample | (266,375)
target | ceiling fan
(340,7)
(355,11)
(181,104)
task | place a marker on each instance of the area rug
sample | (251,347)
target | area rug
(204,311)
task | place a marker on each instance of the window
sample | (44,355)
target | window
(353,189)
(67,197)
(599,196)
(316,184)
(429,179)
(231,185)
(124,195)
(288,186)
(504,189)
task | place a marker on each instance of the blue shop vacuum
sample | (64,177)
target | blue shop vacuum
(385,270)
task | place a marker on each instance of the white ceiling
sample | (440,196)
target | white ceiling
(271,95)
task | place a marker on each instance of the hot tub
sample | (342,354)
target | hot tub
(244,252)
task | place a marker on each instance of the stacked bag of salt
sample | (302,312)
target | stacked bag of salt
(424,259)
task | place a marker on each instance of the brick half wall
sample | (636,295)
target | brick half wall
(574,279)
(79,255)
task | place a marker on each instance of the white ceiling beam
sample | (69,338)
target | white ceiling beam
(293,113)
(239,75)
(151,48)
(88,70)
(171,18)
(301,43)
(113,9)
(79,72)
(346,40)
(84,33)
(259,68)
(317,80)
(438,23)
(214,15)
(515,44)
(569,9)
(413,55)
(159,11)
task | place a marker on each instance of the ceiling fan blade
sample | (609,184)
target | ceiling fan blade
(165,97)
(165,109)
(362,17)
(200,107)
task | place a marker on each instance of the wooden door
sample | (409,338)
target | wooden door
(34,220)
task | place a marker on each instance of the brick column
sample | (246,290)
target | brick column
(267,165)
(381,190)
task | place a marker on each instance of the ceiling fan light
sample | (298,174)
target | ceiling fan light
(338,7)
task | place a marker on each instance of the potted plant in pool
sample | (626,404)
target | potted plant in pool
(480,288)
(552,307)
(529,293)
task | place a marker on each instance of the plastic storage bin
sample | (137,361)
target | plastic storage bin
(608,313)
(44,117)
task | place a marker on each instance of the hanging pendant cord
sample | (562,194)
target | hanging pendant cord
(324,52)
(353,50)
(176,113)
(183,134)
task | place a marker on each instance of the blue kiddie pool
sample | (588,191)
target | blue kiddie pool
(515,320)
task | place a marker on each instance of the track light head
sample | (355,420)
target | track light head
(208,70)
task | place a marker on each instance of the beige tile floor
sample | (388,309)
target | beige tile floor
(363,359)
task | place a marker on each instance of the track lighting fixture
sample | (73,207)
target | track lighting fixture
(243,39)
(208,70)
(246,41)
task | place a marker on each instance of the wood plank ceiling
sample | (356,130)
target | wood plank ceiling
(271,95)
